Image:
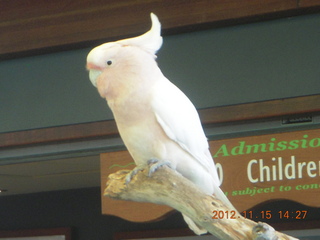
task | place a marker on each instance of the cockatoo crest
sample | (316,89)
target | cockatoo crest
(150,41)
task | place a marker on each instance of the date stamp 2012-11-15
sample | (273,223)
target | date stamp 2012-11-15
(267,214)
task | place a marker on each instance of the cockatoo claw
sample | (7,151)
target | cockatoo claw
(131,174)
(155,164)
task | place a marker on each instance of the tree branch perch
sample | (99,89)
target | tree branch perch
(166,186)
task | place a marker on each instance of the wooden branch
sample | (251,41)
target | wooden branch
(166,186)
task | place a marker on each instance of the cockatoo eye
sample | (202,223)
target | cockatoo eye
(109,62)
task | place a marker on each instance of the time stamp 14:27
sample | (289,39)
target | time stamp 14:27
(268,214)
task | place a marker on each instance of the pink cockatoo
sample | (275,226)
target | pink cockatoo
(155,119)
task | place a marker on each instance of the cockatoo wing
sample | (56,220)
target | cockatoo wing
(180,121)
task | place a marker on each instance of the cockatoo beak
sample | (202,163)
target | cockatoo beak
(94,73)
(91,66)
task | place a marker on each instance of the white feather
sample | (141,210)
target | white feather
(150,41)
(180,121)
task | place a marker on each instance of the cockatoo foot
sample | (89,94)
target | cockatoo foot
(131,174)
(155,164)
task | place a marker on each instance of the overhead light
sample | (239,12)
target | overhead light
(3,190)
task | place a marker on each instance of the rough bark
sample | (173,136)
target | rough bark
(166,186)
